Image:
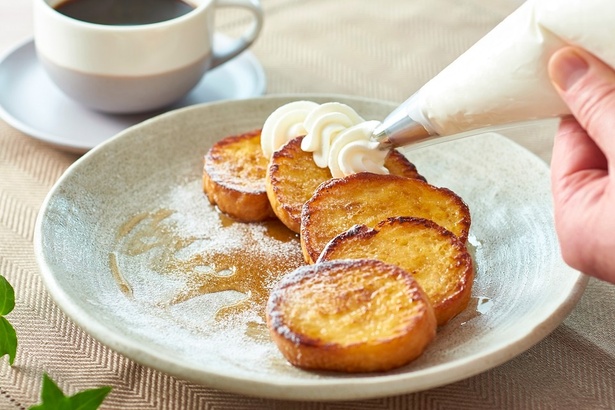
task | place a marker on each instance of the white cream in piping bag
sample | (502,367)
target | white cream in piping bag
(502,79)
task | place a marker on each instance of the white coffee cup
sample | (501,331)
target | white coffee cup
(134,68)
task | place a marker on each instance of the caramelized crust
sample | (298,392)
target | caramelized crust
(350,316)
(234,178)
(436,258)
(368,199)
(293,176)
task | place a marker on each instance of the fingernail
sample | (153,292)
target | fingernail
(567,67)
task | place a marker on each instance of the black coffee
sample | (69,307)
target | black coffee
(123,12)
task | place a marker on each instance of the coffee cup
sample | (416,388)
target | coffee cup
(121,56)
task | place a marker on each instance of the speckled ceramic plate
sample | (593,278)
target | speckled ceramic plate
(131,250)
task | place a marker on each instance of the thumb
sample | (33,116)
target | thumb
(587,86)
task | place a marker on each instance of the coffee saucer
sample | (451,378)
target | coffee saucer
(30,102)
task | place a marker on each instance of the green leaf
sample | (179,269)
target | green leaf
(8,340)
(7,297)
(53,398)
(8,337)
(51,393)
(89,399)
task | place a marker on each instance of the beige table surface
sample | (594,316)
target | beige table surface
(381,49)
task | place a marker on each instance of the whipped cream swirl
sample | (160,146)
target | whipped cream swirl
(353,151)
(334,133)
(323,124)
(284,124)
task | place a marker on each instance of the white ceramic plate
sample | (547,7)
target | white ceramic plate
(121,237)
(30,102)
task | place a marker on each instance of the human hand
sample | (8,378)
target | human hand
(583,189)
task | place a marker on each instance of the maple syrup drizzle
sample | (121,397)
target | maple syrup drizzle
(250,274)
(117,275)
(249,270)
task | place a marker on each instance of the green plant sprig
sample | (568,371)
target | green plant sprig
(8,336)
(52,398)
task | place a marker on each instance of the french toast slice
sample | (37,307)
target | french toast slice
(435,257)
(358,315)
(367,199)
(234,172)
(293,176)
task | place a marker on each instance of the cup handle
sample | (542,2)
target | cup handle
(247,38)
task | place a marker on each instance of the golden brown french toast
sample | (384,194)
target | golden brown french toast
(368,199)
(359,315)
(234,177)
(293,176)
(436,258)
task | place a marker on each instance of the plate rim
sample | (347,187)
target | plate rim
(367,386)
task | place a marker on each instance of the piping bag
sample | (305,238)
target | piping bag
(503,78)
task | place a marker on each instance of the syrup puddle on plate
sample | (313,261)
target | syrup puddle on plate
(242,269)
(175,255)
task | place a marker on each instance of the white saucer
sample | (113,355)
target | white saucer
(30,102)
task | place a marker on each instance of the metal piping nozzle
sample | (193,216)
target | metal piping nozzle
(400,131)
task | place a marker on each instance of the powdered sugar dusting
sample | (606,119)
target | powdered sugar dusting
(206,274)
